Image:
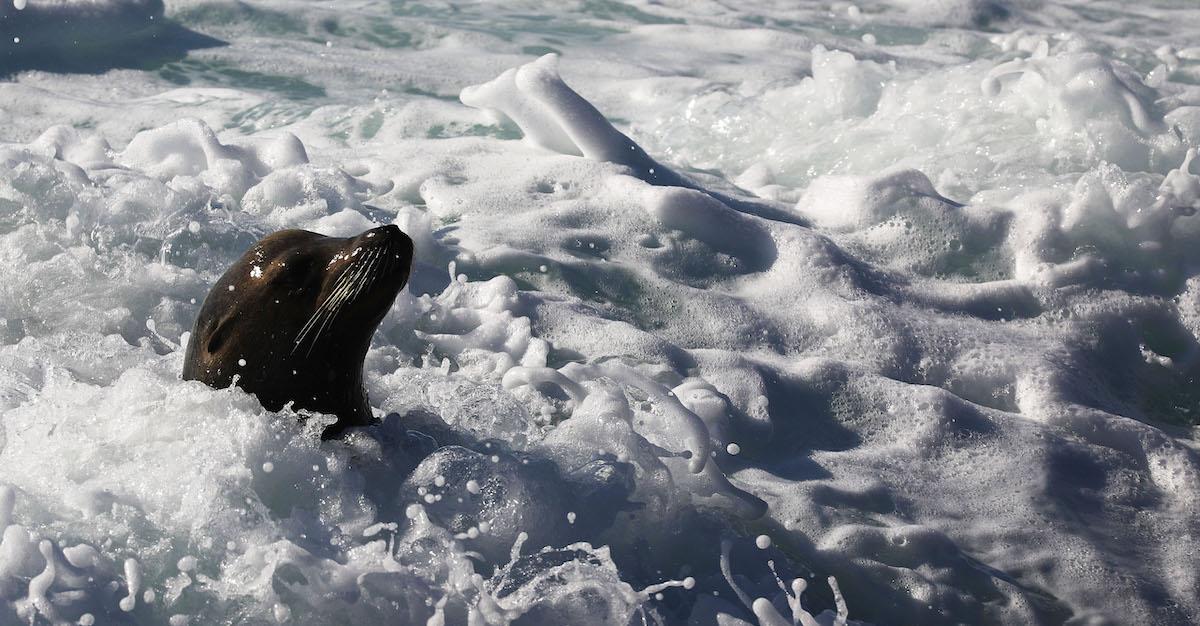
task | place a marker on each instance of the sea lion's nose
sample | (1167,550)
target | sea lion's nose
(389,230)
(390,235)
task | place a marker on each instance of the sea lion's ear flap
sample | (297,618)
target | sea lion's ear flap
(218,334)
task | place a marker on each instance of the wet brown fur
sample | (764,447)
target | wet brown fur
(291,321)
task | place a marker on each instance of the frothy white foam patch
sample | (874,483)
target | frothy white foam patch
(962,414)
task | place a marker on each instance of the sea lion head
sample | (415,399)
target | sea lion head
(292,319)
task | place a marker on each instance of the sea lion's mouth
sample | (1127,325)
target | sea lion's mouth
(372,268)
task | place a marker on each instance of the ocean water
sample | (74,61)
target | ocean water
(722,313)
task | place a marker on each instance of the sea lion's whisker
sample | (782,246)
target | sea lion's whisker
(312,320)
(352,288)
(323,311)
(308,329)
(320,331)
(343,289)
(362,278)
(372,271)
(348,287)
(340,293)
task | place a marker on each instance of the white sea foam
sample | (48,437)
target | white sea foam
(888,308)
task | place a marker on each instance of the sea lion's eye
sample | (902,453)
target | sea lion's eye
(298,278)
(294,270)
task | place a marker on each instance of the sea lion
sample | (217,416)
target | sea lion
(292,319)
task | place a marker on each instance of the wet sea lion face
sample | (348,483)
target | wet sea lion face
(291,321)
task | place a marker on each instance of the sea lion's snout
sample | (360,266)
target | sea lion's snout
(387,230)
(396,243)
(363,276)
(382,234)
(385,253)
